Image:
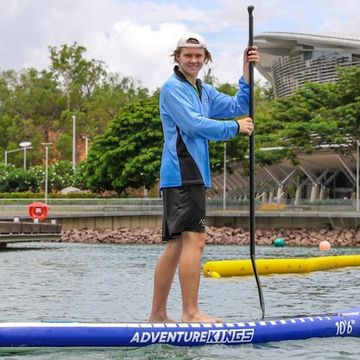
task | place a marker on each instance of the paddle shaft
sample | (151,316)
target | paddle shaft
(252,165)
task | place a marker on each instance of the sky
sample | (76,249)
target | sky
(135,38)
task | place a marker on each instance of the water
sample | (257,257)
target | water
(113,283)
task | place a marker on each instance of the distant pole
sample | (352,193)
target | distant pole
(224,184)
(357,176)
(74,143)
(86,145)
(5,158)
(46,169)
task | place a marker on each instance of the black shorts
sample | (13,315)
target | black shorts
(184,210)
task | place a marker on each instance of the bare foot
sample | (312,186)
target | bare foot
(200,318)
(160,319)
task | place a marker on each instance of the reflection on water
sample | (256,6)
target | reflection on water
(113,283)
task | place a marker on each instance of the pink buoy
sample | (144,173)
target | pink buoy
(324,245)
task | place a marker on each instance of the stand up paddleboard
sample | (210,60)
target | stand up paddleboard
(100,335)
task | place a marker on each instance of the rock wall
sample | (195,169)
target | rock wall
(221,235)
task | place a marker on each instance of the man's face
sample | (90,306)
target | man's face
(191,60)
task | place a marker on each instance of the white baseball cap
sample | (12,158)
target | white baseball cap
(183,42)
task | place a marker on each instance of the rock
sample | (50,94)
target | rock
(70,190)
(349,235)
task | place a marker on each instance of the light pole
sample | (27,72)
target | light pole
(46,169)
(224,184)
(25,145)
(74,143)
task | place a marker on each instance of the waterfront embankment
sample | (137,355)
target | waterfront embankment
(220,236)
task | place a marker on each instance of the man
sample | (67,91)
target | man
(189,110)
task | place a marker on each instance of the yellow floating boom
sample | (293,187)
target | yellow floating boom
(226,268)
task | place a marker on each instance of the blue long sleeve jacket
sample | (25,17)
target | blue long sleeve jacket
(188,117)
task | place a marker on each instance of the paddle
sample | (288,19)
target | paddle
(252,166)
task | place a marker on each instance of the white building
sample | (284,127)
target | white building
(288,60)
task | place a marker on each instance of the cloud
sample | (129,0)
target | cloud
(134,37)
(138,50)
(342,17)
(228,66)
(233,13)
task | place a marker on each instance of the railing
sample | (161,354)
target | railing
(146,206)
(96,206)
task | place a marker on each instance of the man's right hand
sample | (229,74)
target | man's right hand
(246,126)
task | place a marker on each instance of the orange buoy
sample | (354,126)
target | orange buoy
(324,245)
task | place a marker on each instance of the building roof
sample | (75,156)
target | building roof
(273,45)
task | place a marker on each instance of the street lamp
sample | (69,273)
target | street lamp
(46,168)
(74,143)
(25,145)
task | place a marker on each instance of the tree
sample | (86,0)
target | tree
(37,103)
(210,78)
(93,95)
(237,148)
(63,145)
(339,122)
(30,109)
(318,114)
(128,154)
(77,75)
(107,100)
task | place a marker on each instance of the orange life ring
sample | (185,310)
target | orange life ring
(38,210)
